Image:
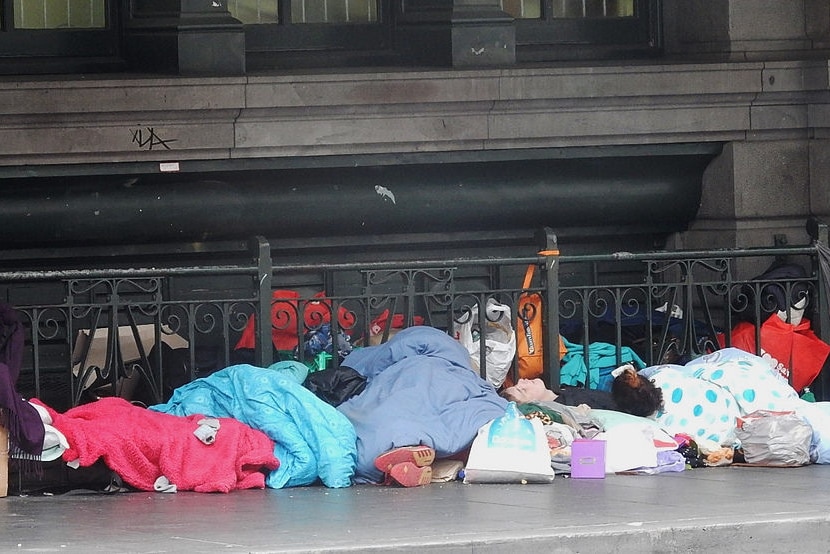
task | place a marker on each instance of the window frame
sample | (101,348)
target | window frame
(549,38)
(60,50)
(328,45)
(319,44)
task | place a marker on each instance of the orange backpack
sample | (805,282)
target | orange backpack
(529,329)
(529,340)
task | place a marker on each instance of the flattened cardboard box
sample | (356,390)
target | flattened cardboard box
(96,349)
(4,458)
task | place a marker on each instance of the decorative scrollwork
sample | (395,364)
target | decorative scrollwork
(599,301)
(239,315)
(144,285)
(571,301)
(284,315)
(376,278)
(463,307)
(631,301)
(527,306)
(720,268)
(77,287)
(664,294)
(49,323)
(740,298)
(207,316)
(349,311)
(704,290)
(175,318)
(316,313)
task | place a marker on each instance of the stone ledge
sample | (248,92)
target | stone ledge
(124,118)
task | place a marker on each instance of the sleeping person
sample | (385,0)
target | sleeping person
(706,396)
(570,413)
(422,400)
(630,392)
(534,390)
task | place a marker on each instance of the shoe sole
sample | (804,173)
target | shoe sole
(419,455)
(407,474)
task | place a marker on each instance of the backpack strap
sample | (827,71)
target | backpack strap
(531,269)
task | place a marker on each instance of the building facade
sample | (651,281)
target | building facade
(621,124)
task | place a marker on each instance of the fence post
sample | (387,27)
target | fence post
(549,249)
(820,234)
(263,350)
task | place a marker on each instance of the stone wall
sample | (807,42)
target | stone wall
(767,182)
(747,73)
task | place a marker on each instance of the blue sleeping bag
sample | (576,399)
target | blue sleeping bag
(420,389)
(312,438)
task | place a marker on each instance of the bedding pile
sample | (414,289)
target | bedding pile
(704,398)
(312,439)
(273,431)
(144,447)
(252,427)
(420,389)
(704,402)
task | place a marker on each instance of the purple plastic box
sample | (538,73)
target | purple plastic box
(588,459)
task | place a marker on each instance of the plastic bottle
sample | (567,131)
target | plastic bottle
(512,430)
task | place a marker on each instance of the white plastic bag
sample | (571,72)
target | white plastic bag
(499,340)
(775,438)
(510,449)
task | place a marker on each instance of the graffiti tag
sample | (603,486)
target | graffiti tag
(148,139)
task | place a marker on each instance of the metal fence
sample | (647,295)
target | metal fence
(140,332)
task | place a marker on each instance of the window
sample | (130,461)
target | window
(314,32)
(60,14)
(306,11)
(58,36)
(252,12)
(577,29)
(588,9)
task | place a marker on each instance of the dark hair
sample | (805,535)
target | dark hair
(636,395)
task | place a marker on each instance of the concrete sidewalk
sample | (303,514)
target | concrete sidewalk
(735,509)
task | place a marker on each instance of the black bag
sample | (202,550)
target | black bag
(335,385)
(772,292)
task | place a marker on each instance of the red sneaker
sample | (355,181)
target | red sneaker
(419,455)
(408,474)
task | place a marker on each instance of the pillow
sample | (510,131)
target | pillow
(628,446)
(611,419)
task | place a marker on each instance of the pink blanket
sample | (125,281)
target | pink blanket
(141,446)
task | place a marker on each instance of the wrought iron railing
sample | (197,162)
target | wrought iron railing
(139,332)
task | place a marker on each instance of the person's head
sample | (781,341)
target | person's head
(636,395)
(528,390)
